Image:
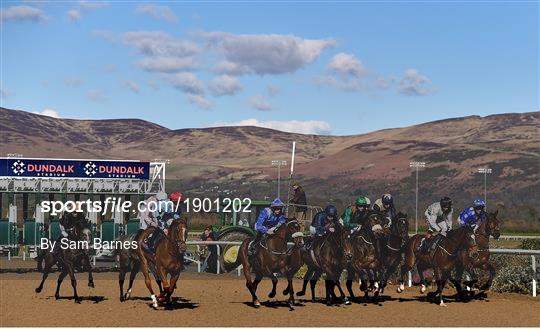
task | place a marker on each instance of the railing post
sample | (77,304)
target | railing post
(410,279)
(198,263)
(217,259)
(533,259)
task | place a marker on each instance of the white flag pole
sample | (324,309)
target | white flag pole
(291,175)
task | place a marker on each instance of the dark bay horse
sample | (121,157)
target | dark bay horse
(366,261)
(489,227)
(69,259)
(167,261)
(329,254)
(443,260)
(273,256)
(399,234)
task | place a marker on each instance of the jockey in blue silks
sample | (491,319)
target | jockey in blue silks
(267,222)
(473,216)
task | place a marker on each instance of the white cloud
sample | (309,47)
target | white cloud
(22,14)
(156,11)
(264,53)
(200,101)
(346,64)
(133,86)
(72,82)
(187,82)
(224,85)
(48,113)
(167,64)
(96,95)
(312,127)
(156,43)
(415,84)
(5,93)
(75,14)
(260,103)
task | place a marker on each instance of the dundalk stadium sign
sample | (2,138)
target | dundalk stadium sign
(65,168)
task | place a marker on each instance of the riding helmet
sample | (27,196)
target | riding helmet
(331,211)
(446,202)
(362,201)
(479,203)
(277,203)
(387,199)
(176,196)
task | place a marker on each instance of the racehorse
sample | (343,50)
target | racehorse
(489,227)
(399,234)
(367,254)
(168,259)
(273,256)
(443,259)
(128,260)
(329,254)
(69,259)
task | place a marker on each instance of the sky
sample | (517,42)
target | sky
(310,67)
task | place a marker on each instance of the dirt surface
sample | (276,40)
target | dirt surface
(210,300)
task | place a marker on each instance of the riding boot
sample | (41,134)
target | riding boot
(254,245)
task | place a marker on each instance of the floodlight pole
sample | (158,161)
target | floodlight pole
(417,165)
(279,163)
(485,171)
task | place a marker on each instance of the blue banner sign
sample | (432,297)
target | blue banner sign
(60,168)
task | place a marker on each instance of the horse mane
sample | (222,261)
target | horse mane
(458,230)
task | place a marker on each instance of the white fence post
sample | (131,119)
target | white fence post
(410,279)
(198,263)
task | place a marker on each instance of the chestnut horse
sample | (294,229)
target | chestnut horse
(168,259)
(443,260)
(273,256)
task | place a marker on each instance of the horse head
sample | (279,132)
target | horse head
(294,232)
(493,224)
(400,225)
(377,222)
(178,234)
(465,239)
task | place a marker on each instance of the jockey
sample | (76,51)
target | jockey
(267,222)
(439,219)
(156,207)
(320,225)
(354,215)
(386,205)
(474,215)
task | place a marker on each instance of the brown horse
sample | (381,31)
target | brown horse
(367,254)
(273,256)
(329,254)
(168,260)
(399,234)
(488,227)
(443,260)
(68,260)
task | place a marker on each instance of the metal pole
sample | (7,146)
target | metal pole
(416,210)
(533,259)
(198,263)
(485,188)
(410,279)
(217,259)
(278,177)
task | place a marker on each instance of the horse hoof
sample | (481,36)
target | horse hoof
(347,302)
(422,289)
(38,290)
(56,296)
(91,284)
(77,300)
(286,292)
(300,293)
(329,303)
(256,304)
(442,304)
(272,294)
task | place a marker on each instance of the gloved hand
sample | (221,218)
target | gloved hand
(271,231)
(331,229)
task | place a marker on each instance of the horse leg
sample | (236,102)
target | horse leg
(423,282)
(46,272)
(61,277)
(457,281)
(74,285)
(307,276)
(134,270)
(121,278)
(441,282)
(329,288)
(290,291)
(313,284)
(255,283)
(148,282)
(491,271)
(342,296)
(349,282)
(272,293)
(172,286)
(90,277)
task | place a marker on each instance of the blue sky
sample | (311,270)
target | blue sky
(312,67)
